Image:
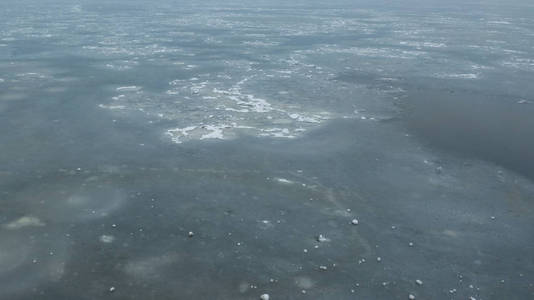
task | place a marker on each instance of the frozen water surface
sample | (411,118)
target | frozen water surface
(266,150)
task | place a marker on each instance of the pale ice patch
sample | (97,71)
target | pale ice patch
(526,64)
(128,88)
(12,96)
(55,89)
(118,97)
(216,132)
(26,221)
(112,107)
(369,52)
(31,75)
(76,8)
(304,282)
(285,71)
(499,22)
(243,100)
(121,65)
(261,43)
(419,45)
(252,103)
(242,110)
(277,132)
(308,119)
(107,239)
(457,75)
(266,224)
(87,205)
(207,106)
(26,262)
(205,131)
(150,267)
(186,87)
(177,134)
(284,181)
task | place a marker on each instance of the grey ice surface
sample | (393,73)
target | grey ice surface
(234,149)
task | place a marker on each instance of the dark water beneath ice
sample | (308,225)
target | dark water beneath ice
(258,127)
